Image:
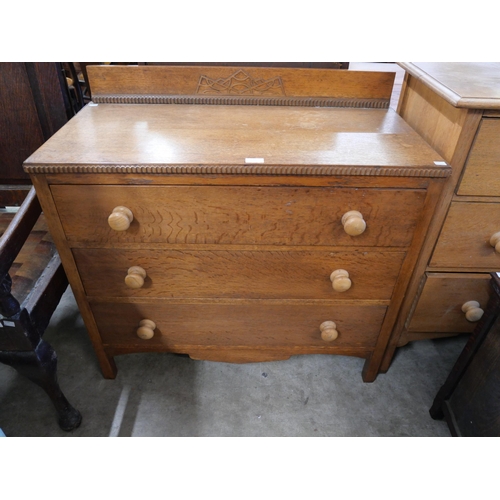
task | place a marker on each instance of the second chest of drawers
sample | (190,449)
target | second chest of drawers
(456,108)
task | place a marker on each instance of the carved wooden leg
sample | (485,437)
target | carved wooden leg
(40,367)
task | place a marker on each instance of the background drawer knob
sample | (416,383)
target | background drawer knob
(340,280)
(328,331)
(135,277)
(353,223)
(146,329)
(472,310)
(495,242)
(120,219)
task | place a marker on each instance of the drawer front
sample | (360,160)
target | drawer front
(238,274)
(238,215)
(465,238)
(237,324)
(482,171)
(439,308)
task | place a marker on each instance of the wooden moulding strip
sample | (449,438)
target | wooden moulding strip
(239,85)
(244,101)
(438,171)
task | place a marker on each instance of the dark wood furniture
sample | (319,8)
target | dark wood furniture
(33,106)
(238,214)
(32,282)
(469,400)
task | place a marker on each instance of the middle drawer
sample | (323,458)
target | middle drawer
(239,273)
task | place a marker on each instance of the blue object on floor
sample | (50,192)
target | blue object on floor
(2,435)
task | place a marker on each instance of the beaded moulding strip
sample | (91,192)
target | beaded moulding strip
(324,102)
(437,172)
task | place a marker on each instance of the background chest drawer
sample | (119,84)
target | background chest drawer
(238,215)
(482,170)
(237,324)
(465,238)
(238,274)
(440,305)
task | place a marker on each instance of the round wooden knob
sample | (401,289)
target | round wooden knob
(495,242)
(340,280)
(353,223)
(328,331)
(120,219)
(135,277)
(473,311)
(146,329)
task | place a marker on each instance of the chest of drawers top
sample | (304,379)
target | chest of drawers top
(246,139)
(461,84)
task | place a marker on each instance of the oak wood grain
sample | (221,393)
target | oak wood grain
(247,81)
(439,122)
(473,85)
(465,238)
(110,135)
(238,215)
(441,300)
(482,175)
(182,326)
(107,364)
(239,274)
(145,179)
(384,349)
(451,131)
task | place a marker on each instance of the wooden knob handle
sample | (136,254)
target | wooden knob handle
(473,311)
(120,219)
(340,280)
(353,223)
(135,277)
(495,242)
(146,329)
(328,331)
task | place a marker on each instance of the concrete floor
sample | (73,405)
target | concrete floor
(169,395)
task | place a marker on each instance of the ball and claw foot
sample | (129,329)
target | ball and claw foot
(70,419)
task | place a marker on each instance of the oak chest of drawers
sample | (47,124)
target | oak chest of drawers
(238,215)
(456,109)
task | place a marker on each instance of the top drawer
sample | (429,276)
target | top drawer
(482,172)
(237,215)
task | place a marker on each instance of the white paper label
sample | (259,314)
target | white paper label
(9,323)
(440,163)
(254,160)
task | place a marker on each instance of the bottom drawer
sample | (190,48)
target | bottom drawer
(439,308)
(181,325)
